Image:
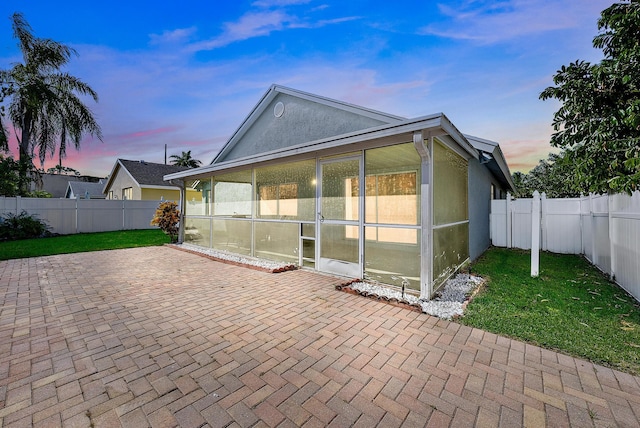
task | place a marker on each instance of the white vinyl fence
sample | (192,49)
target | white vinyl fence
(68,216)
(606,229)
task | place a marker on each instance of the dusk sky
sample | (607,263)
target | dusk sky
(186,74)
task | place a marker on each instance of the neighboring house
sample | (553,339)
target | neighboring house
(58,184)
(82,190)
(140,180)
(347,190)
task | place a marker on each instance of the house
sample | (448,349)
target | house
(58,184)
(140,180)
(84,190)
(347,190)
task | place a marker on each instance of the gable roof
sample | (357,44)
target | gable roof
(257,133)
(145,174)
(81,189)
(306,117)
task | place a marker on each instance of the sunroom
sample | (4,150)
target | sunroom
(339,189)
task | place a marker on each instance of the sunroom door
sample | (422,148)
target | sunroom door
(340,217)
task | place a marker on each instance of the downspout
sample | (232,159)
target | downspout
(183,203)
(426,262)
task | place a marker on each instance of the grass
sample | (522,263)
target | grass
(571,307)
(81,242)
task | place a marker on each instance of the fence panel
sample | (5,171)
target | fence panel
(521,223)
(67,216)
(561,226)
(138,214)
(498,222)
(59,214)
(95,215)
(624,231)
(606,229)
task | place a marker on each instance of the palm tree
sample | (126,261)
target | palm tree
(44,104)
(185,159)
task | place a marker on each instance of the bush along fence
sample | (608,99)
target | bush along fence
(68,216)
(604,228)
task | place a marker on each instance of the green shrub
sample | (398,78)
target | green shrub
(22,226)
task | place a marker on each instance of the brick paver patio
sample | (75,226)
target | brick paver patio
(159,337)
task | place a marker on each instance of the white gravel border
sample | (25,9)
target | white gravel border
(236,258)
(448,304)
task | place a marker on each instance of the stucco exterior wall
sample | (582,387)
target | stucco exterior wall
(480,181)
(157,194)
(122,180)
(301,121)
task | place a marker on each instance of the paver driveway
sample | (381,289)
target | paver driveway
(159,337)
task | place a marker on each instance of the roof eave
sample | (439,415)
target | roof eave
(424,123)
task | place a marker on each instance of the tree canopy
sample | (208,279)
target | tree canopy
(44,103)
(553,176)
(598,124)
(185,159)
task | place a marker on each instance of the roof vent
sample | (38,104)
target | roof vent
(278,109)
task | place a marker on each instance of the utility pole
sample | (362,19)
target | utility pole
(165,154)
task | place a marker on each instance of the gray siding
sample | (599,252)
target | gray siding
(480,180)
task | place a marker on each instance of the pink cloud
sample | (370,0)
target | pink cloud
(148,133)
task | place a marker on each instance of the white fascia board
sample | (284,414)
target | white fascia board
(118,165)
(458,137)
(482,144)
(155,186)
(504,167)
(254,113)
(113,172)
(352,108)
(494,149)
(418,124)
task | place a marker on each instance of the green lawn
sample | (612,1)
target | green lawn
(571,307)
(81,242)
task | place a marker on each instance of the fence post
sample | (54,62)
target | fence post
(18,205)
(592,225)
(543,221)
(508,219)
(611,236)
(535,234)
(77,214)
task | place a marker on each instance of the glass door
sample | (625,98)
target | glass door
(339,217)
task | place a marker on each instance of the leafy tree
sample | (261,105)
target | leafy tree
(9,177)
(44,103)
(60,170)
(599,120)
(185,159)
(554,176)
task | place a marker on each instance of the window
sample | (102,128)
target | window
(278,200)
(286,191)
(127,193)
(110,194)
(392,198)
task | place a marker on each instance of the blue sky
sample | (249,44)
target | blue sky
(187,73)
